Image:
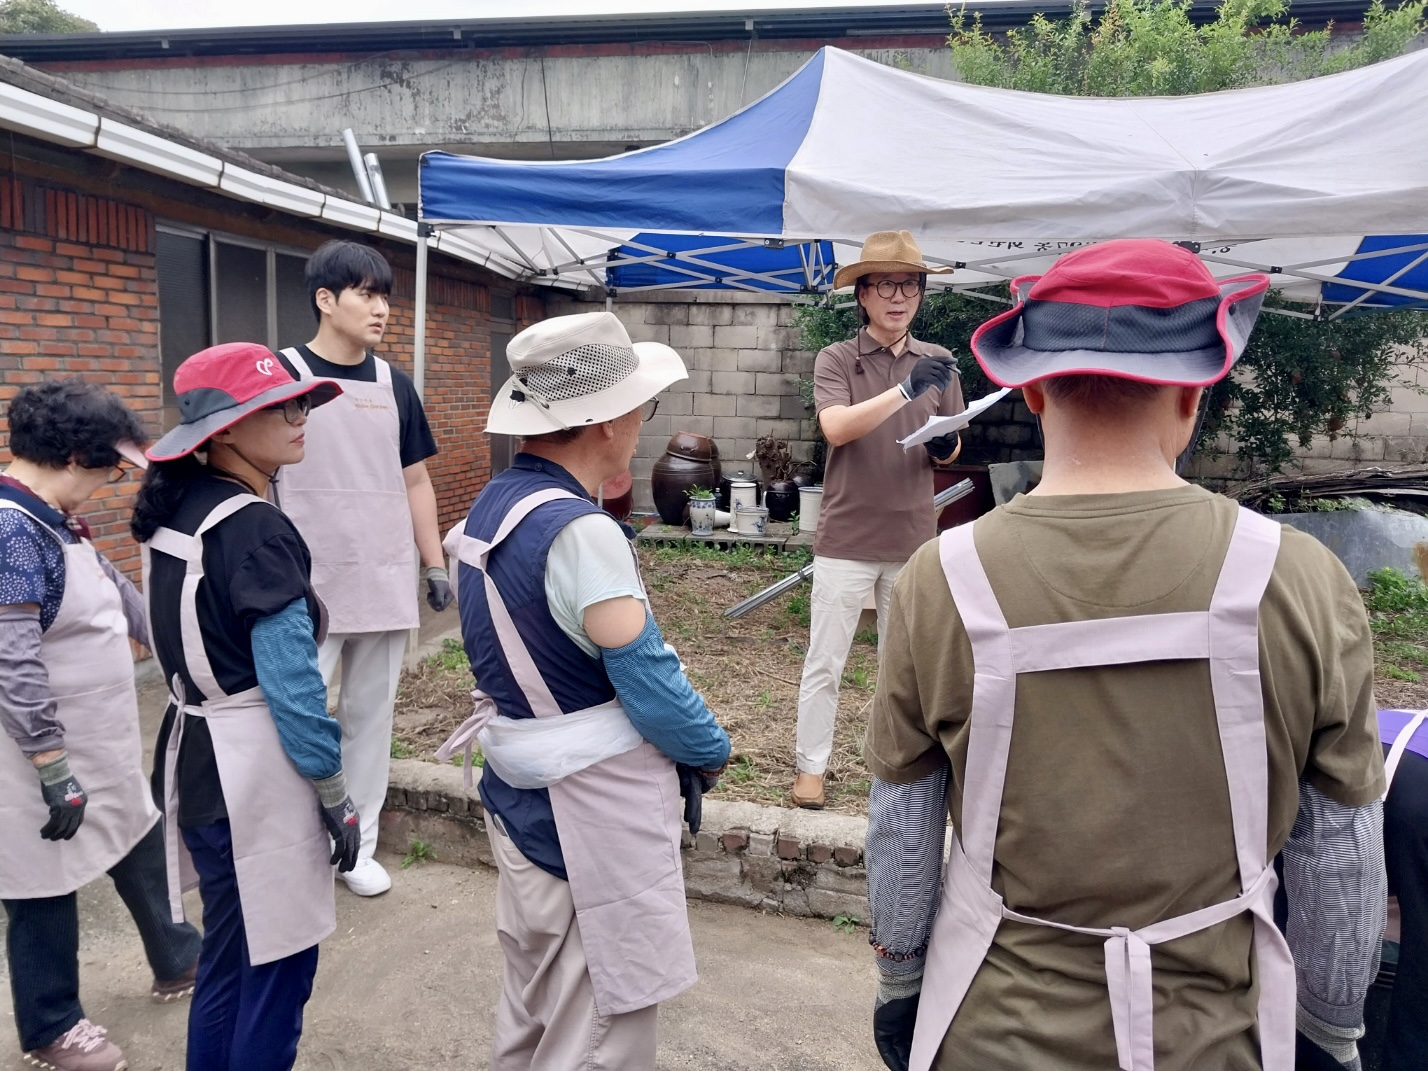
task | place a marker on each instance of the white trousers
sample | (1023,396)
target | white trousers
(840,588)
(371,666)
(546,1018)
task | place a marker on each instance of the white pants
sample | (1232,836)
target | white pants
(840,588)
(371,667)
(546,1018)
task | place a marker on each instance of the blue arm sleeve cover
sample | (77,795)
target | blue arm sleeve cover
(661,702)
(285,656)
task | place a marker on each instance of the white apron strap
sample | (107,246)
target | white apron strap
(295,359)
(1400,745)
(384,372)
(475,553)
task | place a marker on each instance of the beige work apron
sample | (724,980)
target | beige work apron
(348,498)
(91,670)
(1227,635)
(619,826)
(281,851)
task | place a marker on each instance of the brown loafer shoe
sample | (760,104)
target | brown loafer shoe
(808,791)
(180,987)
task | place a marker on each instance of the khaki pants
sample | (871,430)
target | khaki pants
(840,587)
(546,1019)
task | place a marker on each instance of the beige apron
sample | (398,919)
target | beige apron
(281,851)
(1227,635)
(348,498)
(619,827)
(91,670)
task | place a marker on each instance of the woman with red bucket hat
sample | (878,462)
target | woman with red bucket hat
(1131,696)
(248,763)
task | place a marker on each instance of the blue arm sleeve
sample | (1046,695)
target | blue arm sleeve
(661,702)
(285,656)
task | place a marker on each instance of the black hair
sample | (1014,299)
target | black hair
(1098,393)
(559,437)
(339,265)
(60,420)
(166,484)
(863,281)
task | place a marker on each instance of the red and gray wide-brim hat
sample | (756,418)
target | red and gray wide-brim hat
(219,386)
(1134,308)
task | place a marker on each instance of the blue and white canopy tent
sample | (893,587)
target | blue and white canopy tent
(1322,183)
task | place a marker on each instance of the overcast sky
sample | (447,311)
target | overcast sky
(177,14)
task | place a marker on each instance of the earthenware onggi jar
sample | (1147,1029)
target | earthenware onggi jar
(781,499)
(689,460)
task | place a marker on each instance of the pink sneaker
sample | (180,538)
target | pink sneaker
(84,1048)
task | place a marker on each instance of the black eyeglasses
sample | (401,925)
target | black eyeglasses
(123,470)
(649,409)
(293,410)
(886,288)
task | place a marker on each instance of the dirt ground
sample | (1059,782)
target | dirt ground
(748,671)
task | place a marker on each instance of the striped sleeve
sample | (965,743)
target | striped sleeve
(907,827)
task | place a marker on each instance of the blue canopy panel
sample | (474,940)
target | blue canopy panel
(1407,270)
(720,264)
(723,179)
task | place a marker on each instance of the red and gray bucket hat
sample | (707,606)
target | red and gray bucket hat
(221,385)
(1134,308)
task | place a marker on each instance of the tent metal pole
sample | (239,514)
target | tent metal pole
(424,232)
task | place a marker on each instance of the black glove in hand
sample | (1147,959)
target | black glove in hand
(1309,1056)
(438,587)
(65,799)
(892,1030)
(926,373)
(345,829)
(943,447)
(691,787)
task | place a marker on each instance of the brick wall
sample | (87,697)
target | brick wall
(79,296)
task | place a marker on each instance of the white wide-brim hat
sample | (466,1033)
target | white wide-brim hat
(570,371)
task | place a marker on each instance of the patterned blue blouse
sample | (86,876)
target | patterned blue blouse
(31,562)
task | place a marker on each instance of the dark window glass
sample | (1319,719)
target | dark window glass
(241,289)
(503,447)
(296,322)
(183,308)
(503,306)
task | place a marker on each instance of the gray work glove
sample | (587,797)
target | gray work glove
(927,373)
(438,587)
(339,815)
(1321,1046)
(895,1016)
(65,799)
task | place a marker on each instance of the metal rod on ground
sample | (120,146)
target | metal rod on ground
(788,583)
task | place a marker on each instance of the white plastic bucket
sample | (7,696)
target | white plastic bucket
(810,501)
(742,494)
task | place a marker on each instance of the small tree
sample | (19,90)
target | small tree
(40,16)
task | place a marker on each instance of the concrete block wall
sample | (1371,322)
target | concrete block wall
(744,362)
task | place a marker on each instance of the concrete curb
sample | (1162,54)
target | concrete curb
(794,862)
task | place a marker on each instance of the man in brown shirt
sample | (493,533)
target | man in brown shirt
(1107,775)
(869,391)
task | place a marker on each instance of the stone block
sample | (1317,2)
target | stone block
(846,855)
(676,403)
(690,336)
(658,425)
(710,315)
(724,360)
(795,902)
(760,360)
(735,427)
(764,873)
(1405,448)
(699,381)
(789,848)
(740,337)
(824,904)
(791,407)
(820,853)
(774,383)
(734,383)
(761,844)
(698,424)
(756,405)
(396,797)
(714,405)
(668,313)
(772,337)
(458,805)
(705,841)
(752,315)
(781,429)
(1390,423)
(852,880)
(648,333)
(735,840)
(798,362)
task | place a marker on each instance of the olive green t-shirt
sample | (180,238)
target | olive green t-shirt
(1116,807)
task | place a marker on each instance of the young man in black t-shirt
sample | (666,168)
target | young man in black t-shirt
(364,503)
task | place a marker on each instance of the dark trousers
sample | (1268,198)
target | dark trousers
(42,940)
(1405,846)
(244,1018)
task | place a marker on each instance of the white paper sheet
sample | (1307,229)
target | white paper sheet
(946,425)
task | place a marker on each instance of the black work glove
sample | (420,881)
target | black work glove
(345,829)
(942,447)
(892,1030)
(1309,1056)
(65,799)
(926,373)
(438,587)
(693,783)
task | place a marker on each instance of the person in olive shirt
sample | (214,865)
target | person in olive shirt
(1131,696)
(869,391)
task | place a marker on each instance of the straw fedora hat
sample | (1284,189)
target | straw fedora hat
(570,371)
(889,251)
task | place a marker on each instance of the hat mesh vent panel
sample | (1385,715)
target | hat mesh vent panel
(583,371)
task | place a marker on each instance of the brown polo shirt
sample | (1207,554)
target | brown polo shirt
(877,497)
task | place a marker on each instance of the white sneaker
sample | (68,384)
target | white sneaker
(367,878)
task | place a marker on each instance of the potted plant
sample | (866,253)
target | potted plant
(777,464)
(701,510)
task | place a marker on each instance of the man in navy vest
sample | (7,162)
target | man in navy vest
(582,713)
